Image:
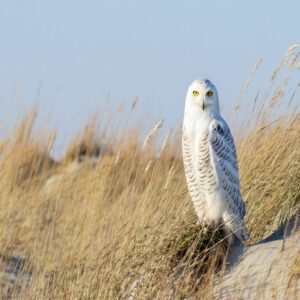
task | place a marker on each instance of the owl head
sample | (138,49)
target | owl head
(203,96)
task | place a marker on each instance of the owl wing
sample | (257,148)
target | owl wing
(225,165)
(191,178)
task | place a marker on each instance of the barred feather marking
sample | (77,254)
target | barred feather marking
(191,179)
(225,160)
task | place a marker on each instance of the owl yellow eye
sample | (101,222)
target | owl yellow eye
(195,93)
(209,93)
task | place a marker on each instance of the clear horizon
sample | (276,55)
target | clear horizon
(74,58)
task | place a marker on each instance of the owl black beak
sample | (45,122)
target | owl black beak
(203,105)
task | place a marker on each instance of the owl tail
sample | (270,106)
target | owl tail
(236,229)
(242,234)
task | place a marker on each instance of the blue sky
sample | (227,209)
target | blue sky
(71,56)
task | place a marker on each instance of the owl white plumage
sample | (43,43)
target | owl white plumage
(210,161)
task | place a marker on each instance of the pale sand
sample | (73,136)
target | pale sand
(263,271)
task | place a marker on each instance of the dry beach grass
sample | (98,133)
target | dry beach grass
(122,225)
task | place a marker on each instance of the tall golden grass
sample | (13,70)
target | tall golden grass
(121,225)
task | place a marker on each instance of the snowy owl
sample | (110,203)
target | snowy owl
(210,162)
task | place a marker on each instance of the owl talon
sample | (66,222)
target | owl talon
(206,224)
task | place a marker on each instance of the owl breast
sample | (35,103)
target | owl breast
(208,183)
(203,164)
